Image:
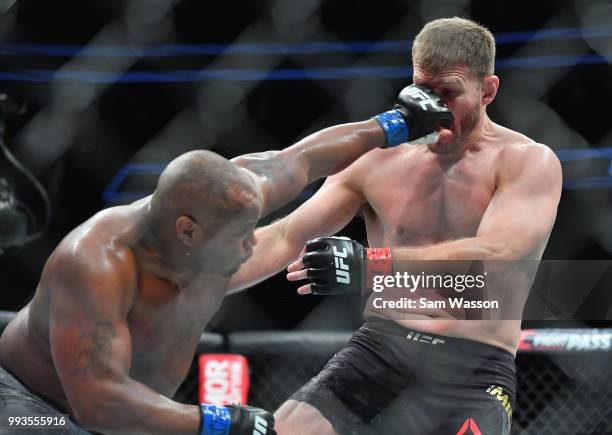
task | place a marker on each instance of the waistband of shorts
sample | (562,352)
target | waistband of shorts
(13,378)
(22,387)
(415,335)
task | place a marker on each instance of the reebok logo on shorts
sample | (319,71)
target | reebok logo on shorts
(471,426)
(422,338)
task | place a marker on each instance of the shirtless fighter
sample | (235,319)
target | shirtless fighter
(482,193)
(113,327)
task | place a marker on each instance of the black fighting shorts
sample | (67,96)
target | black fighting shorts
(390,380)
(18,400)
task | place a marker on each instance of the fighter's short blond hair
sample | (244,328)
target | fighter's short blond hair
(446,42)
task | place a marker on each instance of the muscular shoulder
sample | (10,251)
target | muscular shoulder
(517,151)
(94,257)
(528,154)
(529,162)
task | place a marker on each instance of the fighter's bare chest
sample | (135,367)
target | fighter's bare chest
(429,202)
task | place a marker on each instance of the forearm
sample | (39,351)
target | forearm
(451,257)
(332,149)
(131,407)
(282,175)
(471,248)
(273,252)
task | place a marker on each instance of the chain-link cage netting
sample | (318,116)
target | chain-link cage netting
(280,364)
(563,393)
(559,392)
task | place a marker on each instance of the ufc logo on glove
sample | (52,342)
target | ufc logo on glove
(424,97)
(342,269)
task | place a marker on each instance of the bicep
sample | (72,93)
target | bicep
(89,336)
(522,211)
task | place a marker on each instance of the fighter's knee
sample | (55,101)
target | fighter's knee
(300,418)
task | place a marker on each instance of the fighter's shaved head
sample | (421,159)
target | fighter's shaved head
(204,186)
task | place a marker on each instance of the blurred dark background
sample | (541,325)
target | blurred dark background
(116,89)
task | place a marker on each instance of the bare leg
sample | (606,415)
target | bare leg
(300,418)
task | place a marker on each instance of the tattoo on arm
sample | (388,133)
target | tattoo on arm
(93,350)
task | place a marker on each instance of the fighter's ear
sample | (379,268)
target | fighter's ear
(490,84)
(188,231)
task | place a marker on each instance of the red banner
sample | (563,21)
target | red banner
(223,379)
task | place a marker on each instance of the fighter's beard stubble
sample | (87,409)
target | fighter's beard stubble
(468,123)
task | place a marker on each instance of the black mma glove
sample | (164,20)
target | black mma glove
(338,265)
(236,420)
(417,113)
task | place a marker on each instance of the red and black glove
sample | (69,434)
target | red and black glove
(339,265)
